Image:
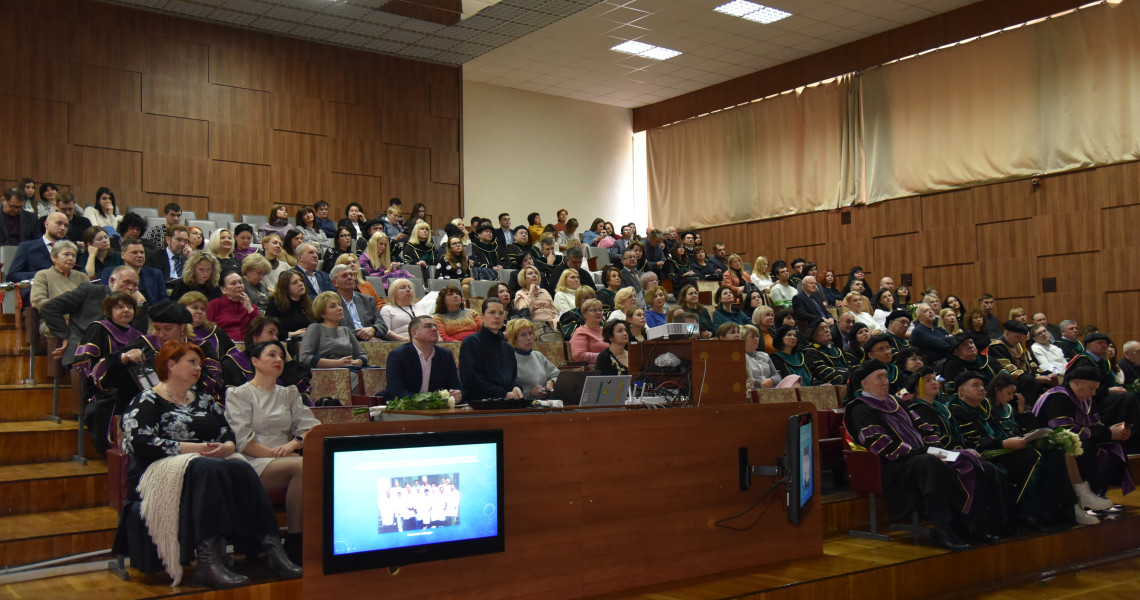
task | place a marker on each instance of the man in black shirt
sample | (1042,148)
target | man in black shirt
(16,225)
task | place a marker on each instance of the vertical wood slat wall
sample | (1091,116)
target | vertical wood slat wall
(165,109)
(1078,227)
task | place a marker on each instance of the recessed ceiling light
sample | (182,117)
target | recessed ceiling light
(660,53)
(752,11)
(645,50)
(632,47)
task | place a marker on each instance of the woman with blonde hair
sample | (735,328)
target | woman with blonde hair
(857,304)
(221,245)
(535,374)
(376,260)
(764,318)
(271,249)
(200,274)
(420,250)
(204,331)
(531,296)
(329,345)
(948,318)
(655,298)
(253,270)
(759,276)
(362,284)
(625,300)
(568,285)
(400,309)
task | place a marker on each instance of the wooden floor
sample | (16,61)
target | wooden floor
(908,566)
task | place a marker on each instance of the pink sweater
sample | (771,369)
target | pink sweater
(586,344)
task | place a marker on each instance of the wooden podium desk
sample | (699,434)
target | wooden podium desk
(595,502)
(467,411)
(718,376)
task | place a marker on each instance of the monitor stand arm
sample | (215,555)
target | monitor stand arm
(747,472)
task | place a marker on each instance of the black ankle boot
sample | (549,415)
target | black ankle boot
(211,571)
(279,562)
(293,548)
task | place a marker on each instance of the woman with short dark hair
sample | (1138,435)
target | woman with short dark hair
(789,359)
(614,360)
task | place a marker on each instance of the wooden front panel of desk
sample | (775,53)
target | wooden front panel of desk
(595,503)
(719,374)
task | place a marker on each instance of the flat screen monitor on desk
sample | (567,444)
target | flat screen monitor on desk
(392,500)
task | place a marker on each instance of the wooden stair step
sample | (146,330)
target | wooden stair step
(49,487)
(30,403)
(43,536)
(14,369)
(24,442)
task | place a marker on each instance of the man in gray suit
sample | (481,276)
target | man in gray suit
(84,305)
(360,312)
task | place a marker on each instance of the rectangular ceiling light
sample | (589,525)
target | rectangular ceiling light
(645,50)
(752,11)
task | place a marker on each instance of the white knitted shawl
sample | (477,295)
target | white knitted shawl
(161,491)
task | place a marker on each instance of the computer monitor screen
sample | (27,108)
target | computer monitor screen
(800,464)
(392,500)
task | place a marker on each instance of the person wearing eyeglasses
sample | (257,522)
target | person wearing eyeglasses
(421,365)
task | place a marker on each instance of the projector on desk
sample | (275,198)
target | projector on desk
(678,330)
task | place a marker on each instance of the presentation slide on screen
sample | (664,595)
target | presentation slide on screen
(807,468)
(402,497)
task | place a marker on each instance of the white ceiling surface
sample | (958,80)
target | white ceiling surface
(572,57)
(562,47)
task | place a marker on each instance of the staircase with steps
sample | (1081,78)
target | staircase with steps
(50,507)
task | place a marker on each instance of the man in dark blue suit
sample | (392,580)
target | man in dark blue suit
(34,255)
(408,364)
(316,280)
(16,224)
(152,282)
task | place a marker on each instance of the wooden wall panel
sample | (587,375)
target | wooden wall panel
(1068,232)
(241,143)
(1119,226)
(39,77)
(1124,322)
(1090,187)
(100,86)
(445,101)
(105,127)
(1075,273)
(239,187)
(1084,308)
(1001,202)
(179,59)
(180,175)
(241,106)
(32,121)
(1006,239)
(176,97)
(949,246)
(947,209)
(895,254)
(358,157)
(1117,266)
(1128,189)
(342,185)
(351,121)
(298,113)
(959,280)
(180,137)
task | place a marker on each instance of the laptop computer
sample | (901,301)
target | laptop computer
(568,386)
(605,390)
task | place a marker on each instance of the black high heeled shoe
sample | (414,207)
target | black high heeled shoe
(944,538)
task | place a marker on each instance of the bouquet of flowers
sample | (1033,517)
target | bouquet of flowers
(423,401)
(1063,439)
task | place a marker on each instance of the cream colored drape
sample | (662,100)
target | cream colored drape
(780,156)
(1053,96)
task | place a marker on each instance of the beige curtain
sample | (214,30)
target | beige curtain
(779,156)
(1053,96)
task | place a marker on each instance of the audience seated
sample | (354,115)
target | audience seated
(237,368)
(400,309)
(726,311)
(170,258)
(568,284)
(34,255)
(362,284)
(454,320)
(219,498)
(760,368)
(420,250)
(69,314)
(354,220)
(614,360)
(587,342)
(155,237)
(205,333)
(290,305)
(61,278)
(76,222)
(422,366)
(152,282)
(487,367)
(234,309)
(102,357)
(656,308)
(341,245)
(315,280)
(243,240)
(253,271)
(98,254)
(535,374)
(375,261)
(824,360)
(789,360)
(533,299)
(573,318)
(329,345)
(221,245)
(201,274)
(269,424)
(16,224)
(311,232)
(360,312)
(625,300)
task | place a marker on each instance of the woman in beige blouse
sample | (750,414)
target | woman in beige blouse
(270,423)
